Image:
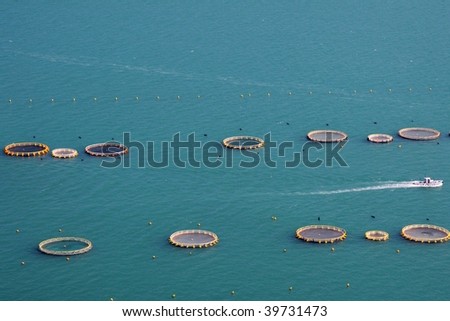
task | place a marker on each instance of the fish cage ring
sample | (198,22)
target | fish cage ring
(43,246)
(26,149)
(106,149)
(64,153)
(419,133)
(377,235)
(243,142)
(193,239)
(425,233)
(326,136)
(321,233)
(380,138)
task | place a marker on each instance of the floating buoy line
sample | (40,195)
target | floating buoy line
(53,100)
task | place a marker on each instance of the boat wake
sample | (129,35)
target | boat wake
(390,185)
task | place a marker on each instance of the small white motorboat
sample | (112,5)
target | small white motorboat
(428,182)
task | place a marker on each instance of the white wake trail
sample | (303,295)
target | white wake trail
(396,185)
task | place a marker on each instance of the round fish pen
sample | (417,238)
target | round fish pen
(419,133)
(70,246)
(27,149)
(243,142)
(64,153)
(377,235)
(425,233)
(321,233)
(193,239)
(326,136)
(380,138)
(106,149)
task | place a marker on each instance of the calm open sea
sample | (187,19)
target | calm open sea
(213,68)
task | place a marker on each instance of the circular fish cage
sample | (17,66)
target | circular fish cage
(64,153)
(380,138)
(243,142)
(193,239)
(321,233)
(425,233)
(67,243)
(326,136)
(419,133)
(27,149)
(377,235)
(106,149)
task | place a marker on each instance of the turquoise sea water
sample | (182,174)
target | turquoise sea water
(361,67)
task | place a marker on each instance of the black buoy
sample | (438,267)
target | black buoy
(79,137)
(327,124)
(372,216)
(375,122)
(34,136)
(428,219)
(287,124)
(205,135)
(240,128)
(318,218)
